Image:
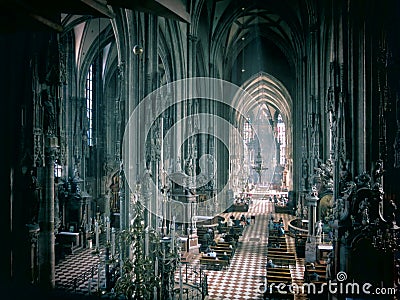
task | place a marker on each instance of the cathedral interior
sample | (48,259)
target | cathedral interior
(173,149)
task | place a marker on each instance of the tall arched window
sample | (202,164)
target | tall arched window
(89,105)
(57,170)
(282,140)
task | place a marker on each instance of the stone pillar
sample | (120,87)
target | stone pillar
(46,218)
(312,200)
(311,245)
(34,262)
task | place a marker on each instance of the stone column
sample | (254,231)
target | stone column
(34,264)
(312,200)
(46,218)
(311,250)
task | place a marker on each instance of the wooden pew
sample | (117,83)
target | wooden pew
(279,272)
(276,239)
(223,248)
(321,274)
(273,232)
(316,265)
(277,250)
(277,245)
(281,255)
(278,278)
(282,262)
(238,230)
(282,271)
(212,263)
(225,244)
(223,229)
(221,252)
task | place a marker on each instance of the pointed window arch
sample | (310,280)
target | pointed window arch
(89,105)
(281,128)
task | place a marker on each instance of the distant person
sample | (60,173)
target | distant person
(207,238)
(225,256)
(328,268)
(314,276)
(212,254)
(271,224)
(281,231)
(270,264)
(211,232)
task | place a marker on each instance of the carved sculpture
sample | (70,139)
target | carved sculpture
(372,217)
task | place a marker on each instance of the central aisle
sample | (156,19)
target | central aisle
(244,277)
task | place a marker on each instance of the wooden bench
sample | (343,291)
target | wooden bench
(279,279)
(317,266)
(321,274)
(224,244)
(223,229)
(283,262)
(277,245)
(222,248)
(276,238)
(281,255)
(273,232)
(214,264)
(279,272)
(271,290)
(275,273)
(278,250)
(285,270)
(238,230)
(221,252)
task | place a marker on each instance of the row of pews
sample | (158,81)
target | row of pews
(315,277)
(220,261)
(278,277)
(315,272)
(201,231)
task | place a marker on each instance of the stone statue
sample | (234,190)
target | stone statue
(189,166)
(328,272)
(178,167)
(378,172)
(318,228)
(49,120)
(364,211)
(34,188)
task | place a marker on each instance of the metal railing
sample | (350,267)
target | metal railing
(194,283)
(74,283)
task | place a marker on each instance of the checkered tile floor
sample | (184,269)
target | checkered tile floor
(245,276)
(84,266)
